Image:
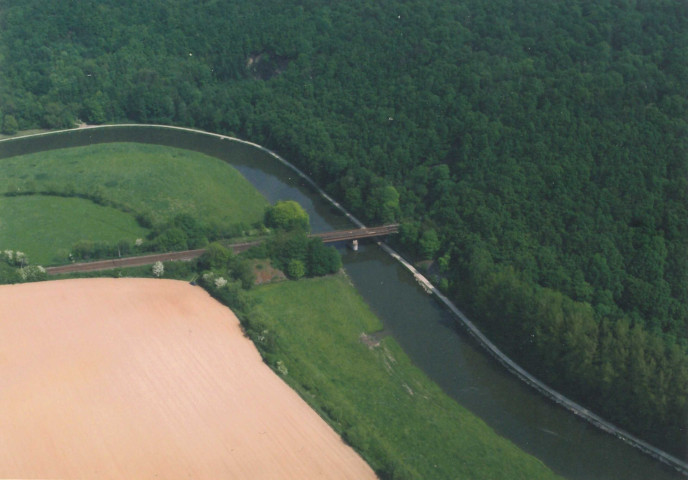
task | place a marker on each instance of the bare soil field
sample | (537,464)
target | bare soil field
(139,378)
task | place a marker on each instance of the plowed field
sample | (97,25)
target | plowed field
(138,378)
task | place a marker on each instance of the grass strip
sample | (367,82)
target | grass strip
(400,421)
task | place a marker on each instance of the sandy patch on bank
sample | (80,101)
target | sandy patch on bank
(136,378)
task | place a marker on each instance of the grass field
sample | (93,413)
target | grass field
(387,408)
(148,179)
(46,228)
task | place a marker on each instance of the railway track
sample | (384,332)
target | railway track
(186,255)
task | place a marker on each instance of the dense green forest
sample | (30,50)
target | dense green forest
(537,150)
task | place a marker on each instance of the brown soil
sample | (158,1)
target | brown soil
(266,273)
(139,378)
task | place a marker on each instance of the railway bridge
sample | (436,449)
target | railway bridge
(353,235)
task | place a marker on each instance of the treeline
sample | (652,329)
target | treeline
(547,139)
(614,366)
(182,232)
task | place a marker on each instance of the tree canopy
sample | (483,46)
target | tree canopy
(287,215)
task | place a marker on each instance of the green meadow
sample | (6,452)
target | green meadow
(46,227)
(398,419)
(148,179)
(139,180)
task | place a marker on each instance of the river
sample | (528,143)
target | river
(426,330)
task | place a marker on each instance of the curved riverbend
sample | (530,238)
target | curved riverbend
(530,380)
(58,141)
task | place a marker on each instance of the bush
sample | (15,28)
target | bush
(171,240)
(285,247)
(296,269)
(216,256)
(32,273)
(8,274)
(158,269)
(322,260)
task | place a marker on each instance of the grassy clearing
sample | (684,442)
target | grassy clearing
(46,228)
(154,180)
(402,423)
(150,181)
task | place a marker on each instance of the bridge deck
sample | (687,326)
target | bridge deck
(357,233)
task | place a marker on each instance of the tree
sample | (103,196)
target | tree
(383,204)
(216,256)
(322,259)
(172,240)
(194,231)
(429,243)
(244,273)
(285,247)
(296,269)
(9,125)
(287,215)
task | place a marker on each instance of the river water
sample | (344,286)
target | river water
(425,329)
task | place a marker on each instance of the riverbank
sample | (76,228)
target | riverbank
(400,421)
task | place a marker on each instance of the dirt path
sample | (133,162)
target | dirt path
(136,378)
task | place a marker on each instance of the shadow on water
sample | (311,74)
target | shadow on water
(427,332)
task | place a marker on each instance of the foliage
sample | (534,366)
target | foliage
(295,269)
(321,259)
(216,256)
(9,125)
(15,268)
(171,240)
(287,215)
(32,273)
(625,373)
(311,254)
(158,269)
(219,261)
(8,274)
(429,244)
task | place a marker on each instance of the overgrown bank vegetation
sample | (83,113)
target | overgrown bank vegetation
(538,151)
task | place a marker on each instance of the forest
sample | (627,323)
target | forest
(536,151)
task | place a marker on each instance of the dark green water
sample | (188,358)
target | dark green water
(426,331)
